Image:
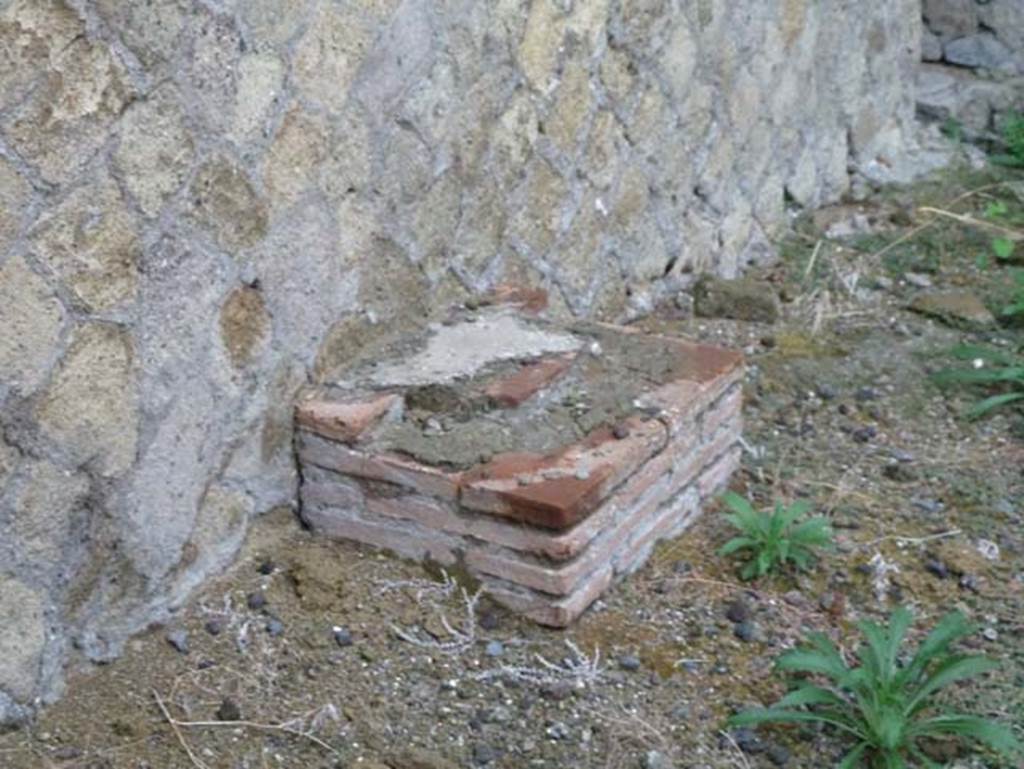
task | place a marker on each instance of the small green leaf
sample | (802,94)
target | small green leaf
(983,407)
(738,504)
(1002,248)
(996,736)
(736,543)
(851,759)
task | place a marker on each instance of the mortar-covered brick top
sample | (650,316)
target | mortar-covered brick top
(513,415)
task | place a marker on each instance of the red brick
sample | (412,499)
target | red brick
(670,521)
(563,579)
(716,478)
(627,515)
(520,386)
(339,493)
(407,540)
(561,501)
(345,421)
(683,401)
(547,610)
(381,467)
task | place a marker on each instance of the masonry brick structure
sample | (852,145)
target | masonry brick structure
(546,460)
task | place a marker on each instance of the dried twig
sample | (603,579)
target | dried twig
(813,259)
(971,221)
(913,540)
(914,232)
(463,638)
(174,724)
(580,668)
(287,727)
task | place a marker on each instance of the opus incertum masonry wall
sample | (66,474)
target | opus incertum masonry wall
(206,204)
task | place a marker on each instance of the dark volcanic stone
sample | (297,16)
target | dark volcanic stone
(229,710)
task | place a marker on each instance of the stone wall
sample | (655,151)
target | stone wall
(973,72)
(204,202)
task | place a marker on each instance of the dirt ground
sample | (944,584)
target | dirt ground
(316,654)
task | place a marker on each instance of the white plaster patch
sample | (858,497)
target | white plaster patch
(459,351)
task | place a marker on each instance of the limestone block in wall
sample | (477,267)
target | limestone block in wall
(90,408)
(156,148)
(22,638)
(35,32)
(91,241)
(152,31)
(31,318)
(66,118)
(260,84)
(226,205)
(48,509)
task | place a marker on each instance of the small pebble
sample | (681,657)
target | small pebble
(582,474)
(899,472)
(484,754)
(229,710)
(178,638)
(917,279)
(256,601)
(867,394)
(937,568)
(214,626)
(267,567)
(652,759)
(489,620)
(738,611)
(342,636)
(557,731)
(494,649)
(827,392)
(778,755)
(556,691)
(746,631)
(748,741)
(865,434)
(969,582)
(990,634)
(275,627)
(629,662)
(620,431)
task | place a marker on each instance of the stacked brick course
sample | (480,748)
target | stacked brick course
(545,532)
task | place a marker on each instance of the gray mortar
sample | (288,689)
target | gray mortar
(610,372)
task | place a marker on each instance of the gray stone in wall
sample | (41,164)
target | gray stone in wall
(931,46)
(945,93)
(982,50)
(203,204)
(951,18)
(1006,19)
